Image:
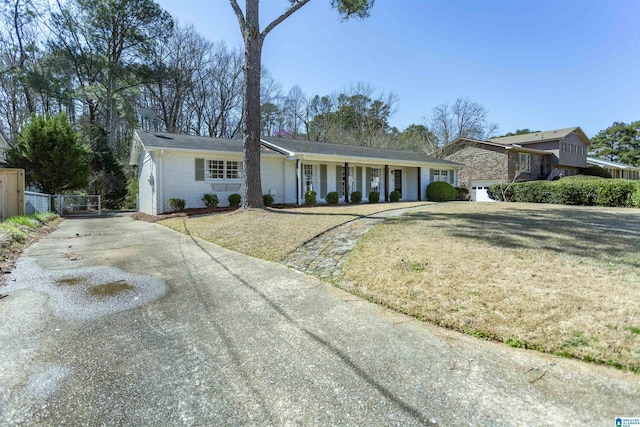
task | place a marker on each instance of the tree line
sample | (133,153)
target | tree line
(106,65)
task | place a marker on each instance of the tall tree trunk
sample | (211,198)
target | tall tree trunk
(251,112)
(23,57)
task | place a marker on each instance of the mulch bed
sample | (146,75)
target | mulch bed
(184,213)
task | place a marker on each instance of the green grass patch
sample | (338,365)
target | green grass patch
(633,330)
(26,221)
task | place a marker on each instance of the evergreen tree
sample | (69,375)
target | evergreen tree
(51,154)
(620,142)
(107,176)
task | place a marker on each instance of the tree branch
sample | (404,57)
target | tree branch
(239,14)
(284,16)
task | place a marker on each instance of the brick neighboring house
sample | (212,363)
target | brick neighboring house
(537,155)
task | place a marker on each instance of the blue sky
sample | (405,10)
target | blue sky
(541,64)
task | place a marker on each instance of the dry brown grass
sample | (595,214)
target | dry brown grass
(273,233)
(560,279)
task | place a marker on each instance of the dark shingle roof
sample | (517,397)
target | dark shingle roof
(189,142)
(204,143)
(327,148)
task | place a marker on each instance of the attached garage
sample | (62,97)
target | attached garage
(479,191)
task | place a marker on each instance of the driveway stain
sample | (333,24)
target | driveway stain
(86,292)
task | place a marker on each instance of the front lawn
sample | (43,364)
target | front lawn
(560,279)
(273,233)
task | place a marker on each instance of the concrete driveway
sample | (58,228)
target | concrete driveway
(110,321)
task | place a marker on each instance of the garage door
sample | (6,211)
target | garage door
(479,191)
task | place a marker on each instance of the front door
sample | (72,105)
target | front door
(397,181)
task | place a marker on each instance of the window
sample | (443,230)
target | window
(221,169)
(215,169)
(525,162)
(441,175)
(234,170)
(310,177)
(375,179)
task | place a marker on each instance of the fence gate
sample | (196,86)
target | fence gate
(78,205)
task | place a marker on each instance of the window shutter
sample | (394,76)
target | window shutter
(431,175)
(199,169)
(368,181)
(358,179)
(323,181)
(339,180)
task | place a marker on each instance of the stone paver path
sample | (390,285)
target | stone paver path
(324,255)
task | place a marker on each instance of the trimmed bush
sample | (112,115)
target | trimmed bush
(374,197)
(577,190)
(595,170)
(440,191)
(462,193)
(210,200)
(356,197)
(394,196)
(310,198)
(267,199)
(177,204)
(634,200)
(234,200)
(332,198)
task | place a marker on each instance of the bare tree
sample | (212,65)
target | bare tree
(174,70)
(463,119)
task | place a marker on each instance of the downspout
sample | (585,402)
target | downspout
(160,180)
(346,182)
(386,183)
(298,182)
(419,183)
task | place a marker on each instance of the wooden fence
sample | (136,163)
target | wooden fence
(11,192)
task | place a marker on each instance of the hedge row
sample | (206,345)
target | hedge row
(578,190)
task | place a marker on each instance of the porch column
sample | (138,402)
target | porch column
(386,183)
(298,182)
(419,184)
(346,182)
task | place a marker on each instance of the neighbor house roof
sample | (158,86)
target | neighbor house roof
(322,150)
(548,135)
(611,164)
(491,143)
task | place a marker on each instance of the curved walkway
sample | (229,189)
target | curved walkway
(324,255)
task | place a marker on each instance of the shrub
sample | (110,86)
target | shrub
(332,198)
(440,191)
(177,204)
(210,200)
(577,190)
(374,197)
(234,200)
(310,198)
(394,196)
(634,199)
(267,199)
(596,171)
(22,220)
(356,197)
(462,193)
